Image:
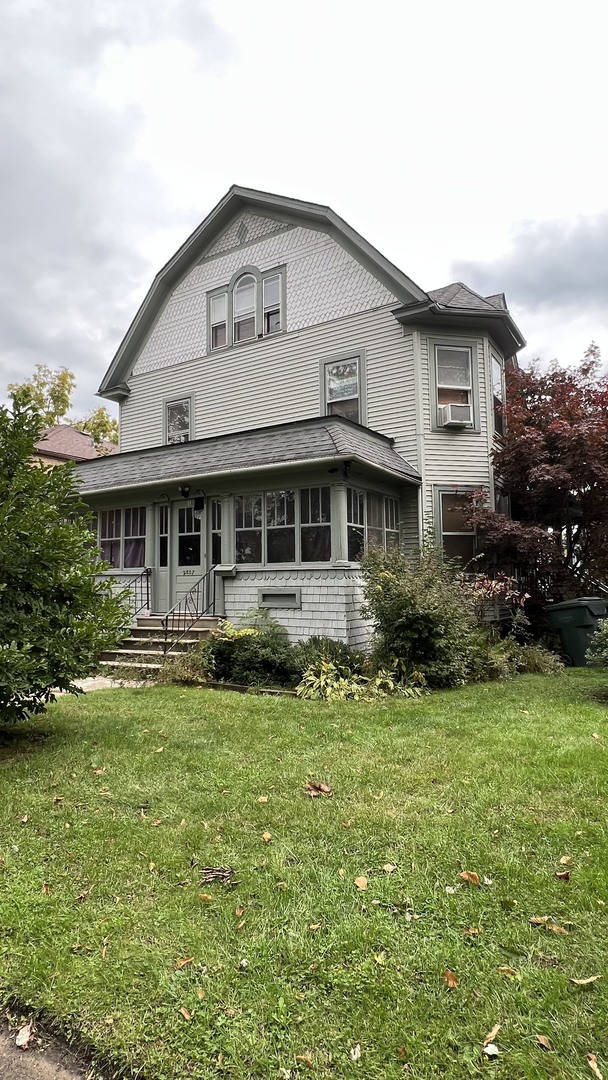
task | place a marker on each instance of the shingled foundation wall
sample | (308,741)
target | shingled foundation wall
(329,601)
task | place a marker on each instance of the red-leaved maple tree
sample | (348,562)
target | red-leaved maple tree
(553,465)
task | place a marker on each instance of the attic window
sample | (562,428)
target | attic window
(178,421)
(251,306)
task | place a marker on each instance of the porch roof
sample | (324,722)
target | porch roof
(316,441)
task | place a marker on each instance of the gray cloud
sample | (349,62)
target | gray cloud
(74,198)
(551,266)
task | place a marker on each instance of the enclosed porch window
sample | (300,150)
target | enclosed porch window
(122,537)
(373,521)
(287,525)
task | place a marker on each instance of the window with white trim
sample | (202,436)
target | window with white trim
(122,537)
(457,536)
(342,388)
(178,420)
(163,535)
(284,526)
(498,395)
(372,521)
(216,531)
(454,380)
(251,307)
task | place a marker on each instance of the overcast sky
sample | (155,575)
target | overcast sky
(466,141)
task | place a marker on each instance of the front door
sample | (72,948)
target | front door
(188,547)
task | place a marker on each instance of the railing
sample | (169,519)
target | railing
(199,600)
(139,588)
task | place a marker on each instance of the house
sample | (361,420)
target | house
(286,397)
(62,442)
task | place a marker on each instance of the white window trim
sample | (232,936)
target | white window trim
(366,492)
(341,358)
(176,399)
(122,537)
(228,291)
(494,357)
(449,342)
(439,492)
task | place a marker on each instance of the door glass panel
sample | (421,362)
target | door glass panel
(189,538)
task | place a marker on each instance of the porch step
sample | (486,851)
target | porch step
(144,647)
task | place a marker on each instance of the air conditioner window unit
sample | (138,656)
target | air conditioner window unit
(455,416)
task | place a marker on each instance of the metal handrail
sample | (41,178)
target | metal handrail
(198,601)
(139,587)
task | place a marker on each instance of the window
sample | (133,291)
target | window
(216,531)
(457,537)
(178,421)
(248,522)
(244,308)
(218,305)
(498,395)
(342,388)
(163,535)
(188,537)
(284,526)
(373,521)
(454,377)
(122,537)
(315,524)
(251,306)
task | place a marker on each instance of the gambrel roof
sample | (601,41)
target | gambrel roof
(321,440)
(237,199)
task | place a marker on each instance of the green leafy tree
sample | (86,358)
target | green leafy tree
(56,616)
(50,392)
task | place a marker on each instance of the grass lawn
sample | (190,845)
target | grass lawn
(112,805)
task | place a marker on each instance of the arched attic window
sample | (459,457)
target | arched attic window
(244,308)
(251,306)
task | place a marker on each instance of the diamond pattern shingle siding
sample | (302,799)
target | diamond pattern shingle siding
(245,228)
(324,283)
(324,437)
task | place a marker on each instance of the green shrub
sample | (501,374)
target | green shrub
(326,681)
(306,653)
(56,615)
(502,658)
(534,659)
(597,653)
(193,668)
(253,655)
(422,613)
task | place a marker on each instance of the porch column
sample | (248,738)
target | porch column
(339,526)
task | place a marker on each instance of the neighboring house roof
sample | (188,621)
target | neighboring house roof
(239,198)
(460,307)
(67,443)
(321,439)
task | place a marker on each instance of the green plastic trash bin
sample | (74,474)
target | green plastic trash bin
(576,621)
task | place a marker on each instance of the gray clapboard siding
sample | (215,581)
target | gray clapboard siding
(277,381)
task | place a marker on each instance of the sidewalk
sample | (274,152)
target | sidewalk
(45,1059)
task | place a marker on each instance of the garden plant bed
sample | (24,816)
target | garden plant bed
(328,943)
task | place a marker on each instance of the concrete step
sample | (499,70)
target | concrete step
(156,645)
(203,621)
(128,664)
(116,656)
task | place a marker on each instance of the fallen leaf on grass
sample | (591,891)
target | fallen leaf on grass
(238,911)
(470,876)
(539,920)
(543,1041)
(23,820)
(451,979)
(182,963)
(314,788)
(566,860)
(207,897)
(555,929)
(361,882)
(185,1013)
(98,772)
(25,1033)
(46,889)
(314,926)
(562,875)
(200,993)
(263,799)
(355,1052)
(472,931)
(341,872)
(159,750)
(491,1050)
(593,1065)
(58,799)
(157,822)
(595,735)
(216,873)
(266,837)
(380,958)
(585,982)
(491,1035)
(510,972)
(389,868)
(304,1059)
